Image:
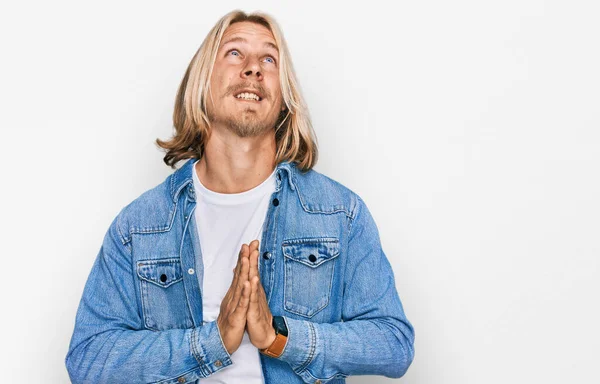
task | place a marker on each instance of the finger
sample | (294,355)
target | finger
(253,264)
(243,275)
(242,306)
(235,283)
(253,305)
(243,253)
(262,296)
(241,278)
(254,244)
(254,291)
(238,267)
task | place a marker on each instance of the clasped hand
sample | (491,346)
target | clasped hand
(244,307)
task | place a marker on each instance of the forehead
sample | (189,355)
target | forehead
(248,31)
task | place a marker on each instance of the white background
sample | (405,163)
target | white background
(470,128)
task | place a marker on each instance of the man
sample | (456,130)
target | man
(312,298)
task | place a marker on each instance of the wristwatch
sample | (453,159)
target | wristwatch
(281,334)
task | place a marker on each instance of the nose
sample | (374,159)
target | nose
(252,68)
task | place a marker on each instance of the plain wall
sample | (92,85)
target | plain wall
(470,128)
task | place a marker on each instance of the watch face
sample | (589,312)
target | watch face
(279,325)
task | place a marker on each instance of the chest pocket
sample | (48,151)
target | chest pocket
(164,302)
(309,268)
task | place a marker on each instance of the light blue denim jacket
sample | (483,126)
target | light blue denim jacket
(321,265)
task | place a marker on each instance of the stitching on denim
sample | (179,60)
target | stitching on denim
(286,298)
(185,286)
(181,187)
(174,379)
(274,258)
(189,340)
(330,283)
(290,255)
(313,342)
(145,309)
(311,312)
(305,314)
(310,210)
(159,285)
(156,229)
(152,229)
(198,356)
(124,239)
(195,348)
(169,260)
(311,265)
(355,214)
(172,186)
(350,227)
(310,240)
(146,313)
(313,377)
(290,168)
(174,261)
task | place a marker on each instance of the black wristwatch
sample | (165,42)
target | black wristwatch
(280,326)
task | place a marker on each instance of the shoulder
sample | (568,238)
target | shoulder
(319,193)
(152,211)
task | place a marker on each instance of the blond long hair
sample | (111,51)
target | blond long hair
(294,134)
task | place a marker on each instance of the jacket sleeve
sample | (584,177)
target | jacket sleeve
(374,336)
(109,344)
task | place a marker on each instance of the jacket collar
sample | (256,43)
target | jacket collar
(183,176)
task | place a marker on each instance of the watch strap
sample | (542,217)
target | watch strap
(276,348)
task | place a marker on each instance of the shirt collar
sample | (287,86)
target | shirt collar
(182,177)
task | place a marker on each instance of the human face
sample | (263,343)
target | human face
(247,61)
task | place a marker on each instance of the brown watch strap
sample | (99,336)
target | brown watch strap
(276,348)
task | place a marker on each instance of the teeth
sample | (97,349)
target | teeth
(247,96)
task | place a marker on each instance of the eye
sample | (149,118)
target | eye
(272,60)
(234,51)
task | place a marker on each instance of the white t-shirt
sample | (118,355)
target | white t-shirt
(225,221)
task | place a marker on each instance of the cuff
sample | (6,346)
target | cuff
(208,348)
(300,347)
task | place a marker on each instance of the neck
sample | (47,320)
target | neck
(233,164)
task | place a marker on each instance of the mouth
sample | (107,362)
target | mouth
(250,96)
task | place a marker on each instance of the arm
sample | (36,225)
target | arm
(375,337)
(109,344)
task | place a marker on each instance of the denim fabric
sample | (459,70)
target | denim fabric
(321,265)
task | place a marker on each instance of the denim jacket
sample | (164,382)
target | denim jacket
(321,265)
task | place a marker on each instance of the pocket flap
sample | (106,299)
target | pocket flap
(163,272)
(311,252)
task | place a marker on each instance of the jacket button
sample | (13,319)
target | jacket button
(267,255)
(312,258)
(181,380)
(218,363)
(318,382)
(163,277)
(275,202)
(191,271)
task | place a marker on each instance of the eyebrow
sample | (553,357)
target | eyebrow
(242,40)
